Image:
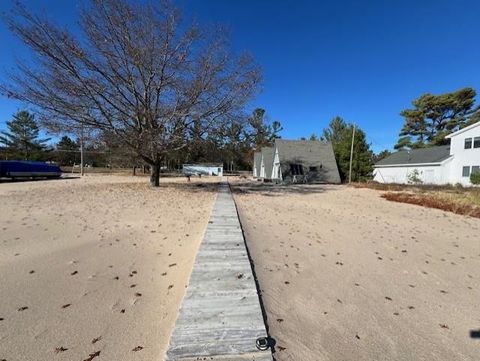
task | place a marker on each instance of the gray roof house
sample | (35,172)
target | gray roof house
(446,164)
(304,161)
(424,165)
(257,160)
(266,163)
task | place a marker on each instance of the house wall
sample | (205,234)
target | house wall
(262,168)
(276,171)
(429,174)
(463,157)
(257,158)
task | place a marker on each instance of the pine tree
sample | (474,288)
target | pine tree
(339,133)
(435,116)
(22,139)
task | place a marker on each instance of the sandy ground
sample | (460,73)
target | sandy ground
(347,275)
(95,268)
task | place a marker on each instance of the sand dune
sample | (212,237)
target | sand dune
(347,275)
(95,267)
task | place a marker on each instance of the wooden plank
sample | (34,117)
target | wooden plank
(220,317)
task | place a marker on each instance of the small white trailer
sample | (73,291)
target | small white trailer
(215,169)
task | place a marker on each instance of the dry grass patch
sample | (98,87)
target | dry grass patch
(456,199)
(440,200)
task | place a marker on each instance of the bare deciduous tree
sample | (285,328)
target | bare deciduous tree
(136,72)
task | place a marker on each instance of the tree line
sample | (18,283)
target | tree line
(231,145)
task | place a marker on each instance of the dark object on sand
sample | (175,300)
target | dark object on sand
(23,169)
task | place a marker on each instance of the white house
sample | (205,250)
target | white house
(266,163)
(304,161)
(448,164)
(203,169)
(465,151)
(257,160)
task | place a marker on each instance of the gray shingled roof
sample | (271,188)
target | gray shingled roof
(308,153)
(417,156)
(267,154)
(257,159)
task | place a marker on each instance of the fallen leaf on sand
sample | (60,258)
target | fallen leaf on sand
(92,356)
(60,349)
(96,339)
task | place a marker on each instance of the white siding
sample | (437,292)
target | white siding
(463,157)
(428,174)
(276,171)
(262,168)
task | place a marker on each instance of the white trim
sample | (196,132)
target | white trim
(409,165)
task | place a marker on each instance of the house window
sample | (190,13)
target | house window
(313,169)
(468,143)
(476,169)
(466,171)
(476,142)
(296,169)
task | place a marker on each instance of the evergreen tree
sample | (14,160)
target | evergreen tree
(381,155)
(435,116)
(66,151)
(22,138)
(339,133)
(261,133)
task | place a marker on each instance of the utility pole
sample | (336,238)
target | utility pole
(81,151)
(351,155)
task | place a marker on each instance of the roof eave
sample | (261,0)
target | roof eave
(413,164)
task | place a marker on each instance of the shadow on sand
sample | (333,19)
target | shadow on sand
(272,190)
(26,180)
(475,334)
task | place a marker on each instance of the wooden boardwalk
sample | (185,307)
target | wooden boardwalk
(220,318)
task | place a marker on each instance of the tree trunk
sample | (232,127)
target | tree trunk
(155,175)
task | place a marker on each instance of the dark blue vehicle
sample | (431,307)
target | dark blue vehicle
(23,169)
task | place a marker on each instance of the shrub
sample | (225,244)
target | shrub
(414,177)
(475,178)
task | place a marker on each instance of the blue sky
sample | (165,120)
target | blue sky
(363,60)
